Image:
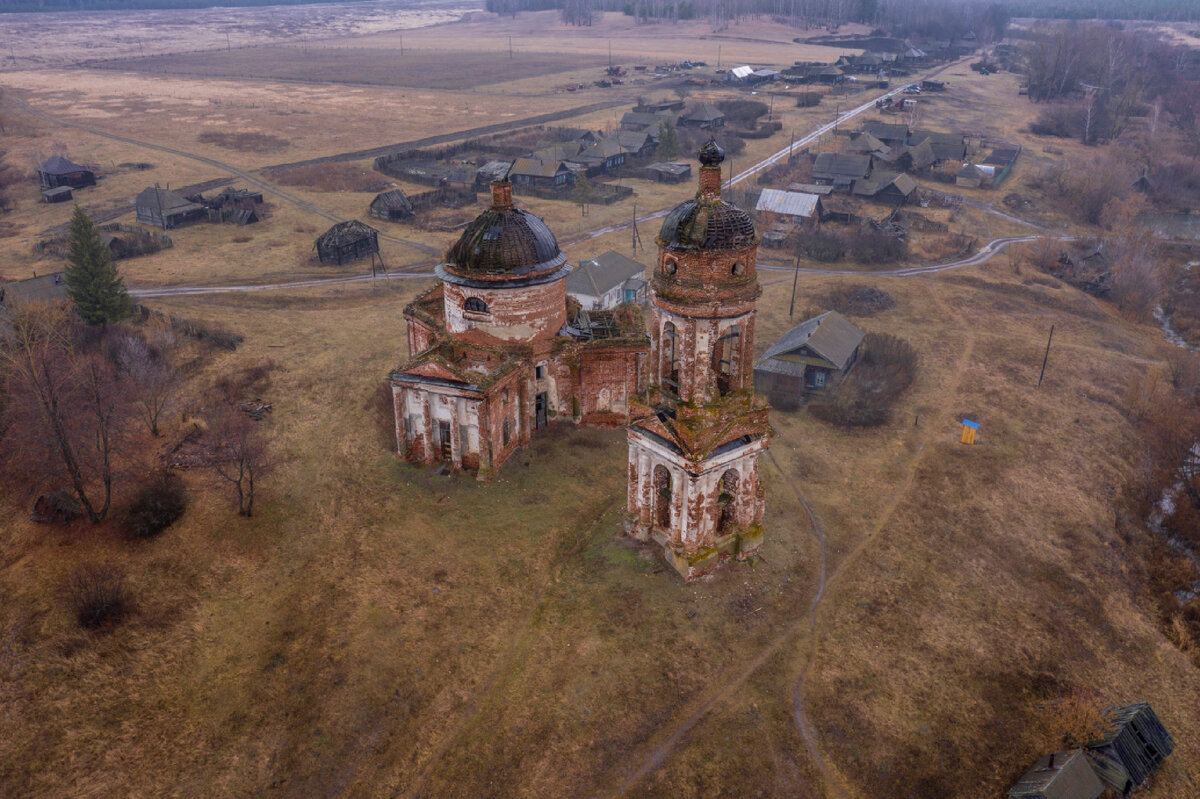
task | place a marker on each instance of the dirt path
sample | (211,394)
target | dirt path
(257,182)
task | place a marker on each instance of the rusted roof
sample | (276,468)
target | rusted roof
(505,241)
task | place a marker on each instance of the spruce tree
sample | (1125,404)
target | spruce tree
(93,283)
(668,140)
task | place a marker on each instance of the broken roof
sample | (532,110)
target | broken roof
(58,165)
(788,203)
(830,335)
(394,200)
(43,288)
(603,273)
(1059,775)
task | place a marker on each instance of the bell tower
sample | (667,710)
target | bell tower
(694,444)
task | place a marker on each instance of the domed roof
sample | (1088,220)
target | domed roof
(706,223)
(505,242)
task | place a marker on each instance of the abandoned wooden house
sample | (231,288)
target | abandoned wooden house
(545,174)
(889,133)
(644,122)
(810,358)
(497,356)
(347,241)
(165,209)
(892,188)
(775,206)
(1131,749)
(706,117)
(59,194)
(669,171)
(840,170)
(391,206)
(638,144)
(606,281)
(946,146)
(604,155)
(58,171)
(695,441)
(1058,775)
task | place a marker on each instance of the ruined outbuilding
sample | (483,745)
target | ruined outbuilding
(347,241)
(1132,748)
(499,351)
(695,437)
(1058,775)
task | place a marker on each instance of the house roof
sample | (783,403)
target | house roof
(881,180)
(864,142)
(43,288)
(886,131)
(970,171)
(842,165)
(946,146)
(58,165)
(671,167)
(642,119)
(538,167)
(1132,747)
(494,170)
(1060,775)
(346,232)
(598,275)
(830,335)
(742,72)
(1003,156)
(922,155)
(605,148)
(789,203)
(631,140)
(705,113)
(557,152)
(394,200)
(166,200)
(810,188)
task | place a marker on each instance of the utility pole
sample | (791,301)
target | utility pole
(1046,357)
(795,279)
(402,45)
(771,110)
(510,48)
(718,56)
(228,45)
(637,237)
(837,114)
(791,144)
(610,54)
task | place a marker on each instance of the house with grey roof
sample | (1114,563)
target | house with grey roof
(50,287)
(706,117)
(808,359)
(1058,775)
(788,206)
(531,171)
(840,170)
(606,281)
(58,171)
(165,209)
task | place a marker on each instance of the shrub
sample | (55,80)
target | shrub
(159,505)
(742,112)
(874,247)
(820,246)
(808,99)
(97,596)
(859,300)
(213,335)
(1060,120)
(887,367)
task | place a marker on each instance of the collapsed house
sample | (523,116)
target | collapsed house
(1131,749)
(392,206)
(347,241)
(1058,775)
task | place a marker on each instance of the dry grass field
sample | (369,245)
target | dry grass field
(382,630)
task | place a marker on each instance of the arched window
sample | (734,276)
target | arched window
(670,358)
(669,266)
(725,359)
(662,496)
(475,304)
(727,502)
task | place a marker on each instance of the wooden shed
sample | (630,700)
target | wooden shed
(347,241)
(59,194)
(58,171)
(1058,775)
(1132,748)
(808,359)
(392,206)
(165,209)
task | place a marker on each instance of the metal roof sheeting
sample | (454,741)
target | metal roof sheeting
(830,335)
(742,72)
(789,203)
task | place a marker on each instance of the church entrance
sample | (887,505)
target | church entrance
(444,440)
(539,411)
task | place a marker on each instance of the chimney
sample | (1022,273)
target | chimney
(502,195)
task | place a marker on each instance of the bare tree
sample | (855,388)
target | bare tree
(65,411)
(153,376)
(238,455)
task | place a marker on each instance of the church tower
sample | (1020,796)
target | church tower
(694,446)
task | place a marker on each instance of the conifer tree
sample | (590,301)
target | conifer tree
(668,140)
(93,283)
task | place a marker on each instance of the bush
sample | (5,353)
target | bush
(808,99)
(859,300)
(212,335)
(159,505)
(820,246)
(742,112)
(886,369)
(1059,120)
(874,247)
(97,596)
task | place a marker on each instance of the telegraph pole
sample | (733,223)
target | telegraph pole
(1046,357)
(795,279)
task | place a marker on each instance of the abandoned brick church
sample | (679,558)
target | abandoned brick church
(500,351)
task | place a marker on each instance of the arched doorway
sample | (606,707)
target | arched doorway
(727,502)
(670,359)
(662,497)
(725,359)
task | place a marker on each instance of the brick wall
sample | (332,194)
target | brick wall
(513,313)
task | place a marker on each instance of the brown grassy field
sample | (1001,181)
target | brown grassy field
(382,630)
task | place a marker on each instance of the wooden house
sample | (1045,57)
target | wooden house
(59,194)
(670,171)
(638,144)
(165,209)
(889,133)
(1131,749)
(810,358)
(391,206)
(1058,775)
(893,188)
(946,146)
(347,241)
(706,117)
(840,170)
(43,288)
(606,281)
(530,171)
(775,206)
(58,171)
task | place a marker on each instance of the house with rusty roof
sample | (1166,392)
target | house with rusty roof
(808,359)
(1058,775)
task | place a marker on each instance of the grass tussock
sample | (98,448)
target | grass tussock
(331,177)
(245,141)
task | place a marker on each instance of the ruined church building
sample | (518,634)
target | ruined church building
(499,351)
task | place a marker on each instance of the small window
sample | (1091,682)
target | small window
(504,397)
(539,372)
(504,431)
(475,304)
(819,379)
(739,269)
(669,266)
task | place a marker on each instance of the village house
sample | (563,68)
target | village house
(1058,775)
(392,206)
(788,207)
(57,171)
(529,171)
(606,281)
(946,146)
(59,194)
(51,287)
(810,358)
(497,353)
(1132,748)
(165,209)
(840,170)
(892,188)
(638,144)
(670,171)
(695,437)
(643,122)
(706,117)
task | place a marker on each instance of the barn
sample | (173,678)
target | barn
(392,206)
(347,241)
(58,171)
(1131,749)
(165,209)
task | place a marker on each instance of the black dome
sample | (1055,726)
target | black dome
(505,242)
(709,224)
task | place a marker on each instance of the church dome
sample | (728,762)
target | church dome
(707,222)
(504,242)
